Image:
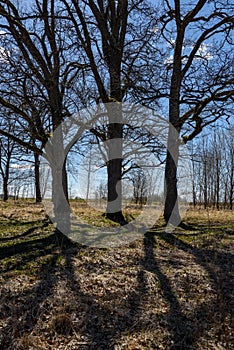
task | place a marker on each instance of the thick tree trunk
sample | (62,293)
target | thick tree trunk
(61,205)
(114,204)
(57,159)
(115,149)
(171,208)
(37,177)
(5,188)
(114,173)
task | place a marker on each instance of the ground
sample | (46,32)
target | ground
(164,291)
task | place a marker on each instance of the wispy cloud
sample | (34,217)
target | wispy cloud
(21,166)
(4,54)
(202,53)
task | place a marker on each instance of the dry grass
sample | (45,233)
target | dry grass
(164,291)
(96,217)
(206,216)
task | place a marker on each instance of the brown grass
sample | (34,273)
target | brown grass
(164,291)
(206,216)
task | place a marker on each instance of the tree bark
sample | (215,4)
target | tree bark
(37,177)
(205,180)
(114,204)
(217,183)
(231,192)
(59,198)
(115,136)
(6,177)
(5,188)
(171,208)
(114,166)
(57,159)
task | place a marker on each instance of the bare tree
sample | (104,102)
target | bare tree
(139,182)
(199,76)
(115,47)
(230,171)
(213,169)
(7,148)
(38,48)
(125,50)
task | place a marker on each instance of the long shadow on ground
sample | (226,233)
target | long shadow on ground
(29,305)
(102,325)
(181,328)
(218,265)
(25,233)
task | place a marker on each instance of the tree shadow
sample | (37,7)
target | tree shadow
(25,233)
(23,309)
(102,324)
(180,327)
(27,309)
(217,264)
(214,262)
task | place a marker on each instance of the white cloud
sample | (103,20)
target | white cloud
(4,54)
(155,30)
(203,52)
(21,166)
(172,42)
(168,60)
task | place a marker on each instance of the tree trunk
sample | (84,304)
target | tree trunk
(5,188)
(231,192)
(115,148)
(194,196)
(57,160)
(194,185)
(61,205)
(89,175)
(205,185)
(171,208)
(37,177)
(114,173)
(58,157)
(217,192)
(114,204)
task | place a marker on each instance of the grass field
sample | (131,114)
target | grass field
(164,291)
